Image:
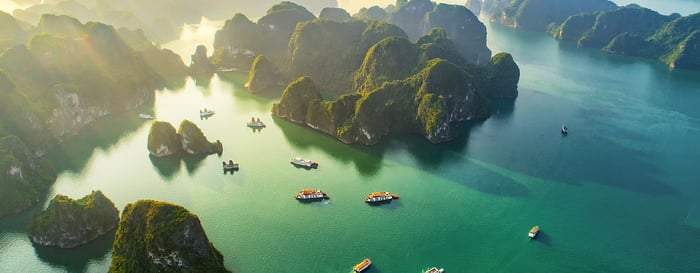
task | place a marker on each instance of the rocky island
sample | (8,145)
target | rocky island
(630,30)
(24,177)
(68,223)
(377,75)
(401,87)
(163,140)
(156,236)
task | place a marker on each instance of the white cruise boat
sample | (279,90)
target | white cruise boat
(298,161)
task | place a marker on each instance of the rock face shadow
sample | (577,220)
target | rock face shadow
(366,161)
(73,155)
(77,259)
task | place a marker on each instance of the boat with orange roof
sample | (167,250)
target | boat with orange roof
(377,197)
(533,232)
(362,265)
(435,270)
(310,195)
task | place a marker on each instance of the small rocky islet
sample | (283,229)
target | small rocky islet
(156,236)
(68,223)
(163,140)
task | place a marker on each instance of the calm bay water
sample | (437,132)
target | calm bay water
(619,194)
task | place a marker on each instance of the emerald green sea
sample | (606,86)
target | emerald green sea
(620,193)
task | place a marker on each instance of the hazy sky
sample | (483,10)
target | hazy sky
(684,7)
(353,5)
(7,6)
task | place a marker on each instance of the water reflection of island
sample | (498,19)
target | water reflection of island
(168,166)
(77,259)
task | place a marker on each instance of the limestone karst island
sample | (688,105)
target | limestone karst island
(358,136)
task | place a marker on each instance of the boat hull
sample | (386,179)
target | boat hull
(306,166)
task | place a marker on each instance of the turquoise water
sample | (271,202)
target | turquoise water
(619,194)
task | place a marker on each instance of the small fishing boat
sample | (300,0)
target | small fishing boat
(146,116)
(362,265)
(564,129)
(311,195)
(206,113)
(533,232)
(298,161)
(230,166)
(435,270)
(255,123)
(378,197)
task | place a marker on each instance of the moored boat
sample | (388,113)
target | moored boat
(377,197)
(206,113)
(564,129)
(230,166)
(146,116)
(435,270)
(362,265)
(533,232)
(255,123)
(298,161)
(310,195)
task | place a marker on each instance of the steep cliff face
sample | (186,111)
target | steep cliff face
(474,6)
(194,142)
(237,43)
(24,177)
(11,32)
(240,40)
(401,87)
(372,13)
(163,140)
(687,56)
(68,223)
(263,75)
(410,17)
(200,63)
(676,42)
(541,15)
(599,29)
(464,29)
(64,88)
(503,76)
(295,100)
(329,52)
(335,14)
(156,236)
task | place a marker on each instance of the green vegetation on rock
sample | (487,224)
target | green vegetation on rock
(401,87)
(607,25)
(335,14)
(676,42)
(24,178)
(156,236)
(240,40)
(372,13)
(410,15)
(541,15)
(68,223)
(295,100)
(329,52)
(194,142)
(503,76)
(464,29)
(263,75)
(163,140)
